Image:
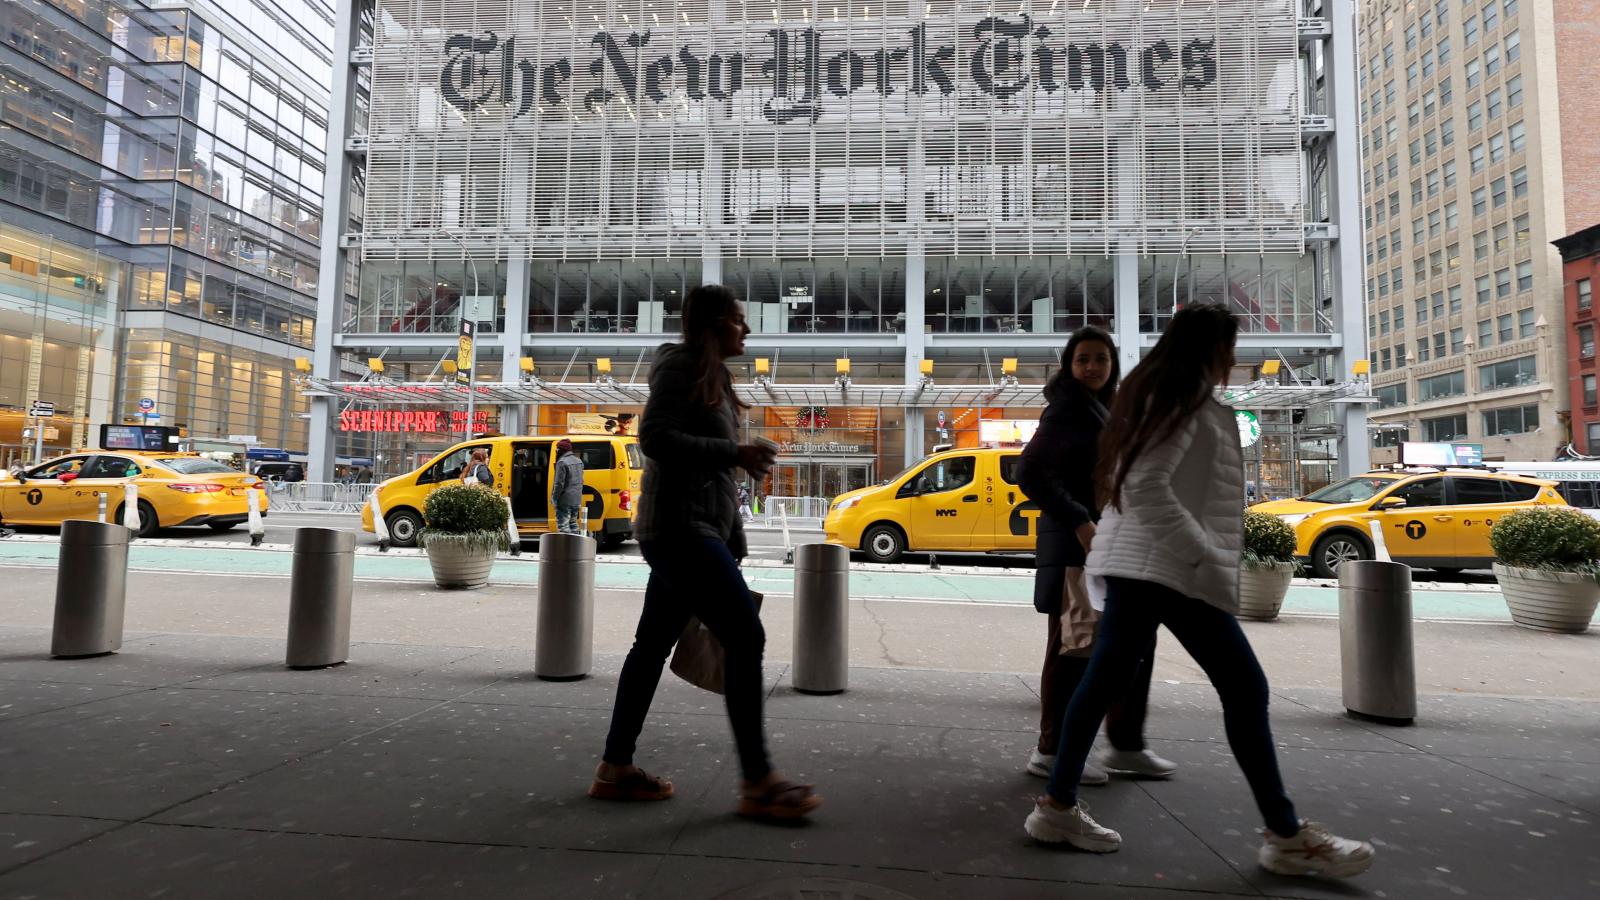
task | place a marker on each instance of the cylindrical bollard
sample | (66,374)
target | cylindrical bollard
(91,589)
(564,643)
(821,618)
(1377,658)
(130,507)
(258,528)
(101,515)
(319,598)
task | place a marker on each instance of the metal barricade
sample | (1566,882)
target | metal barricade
(319,496)
(800,512)
(320,586)
(91,589)
(821,618)
(564,639)
(1377,657)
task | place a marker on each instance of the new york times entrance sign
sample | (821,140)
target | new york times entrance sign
(1003,57)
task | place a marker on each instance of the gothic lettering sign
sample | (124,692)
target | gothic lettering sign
(650,128)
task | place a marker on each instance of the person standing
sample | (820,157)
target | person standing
(1057,472)
(566,489)
(477,469)
(689,532)
(1167,553)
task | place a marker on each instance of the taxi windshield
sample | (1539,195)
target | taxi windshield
(1350,490)
(195,465)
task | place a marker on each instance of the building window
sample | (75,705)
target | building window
(1586,341)
(1585,293)
(1502,237)
(1445,428)
(1452,262)
(1518,136)
(1495,106)
(1438,304)
(1433,187)
(1509,421)
(1383,322)
(1390,436)
(1447,132)
(1469,30)
(1388,359)
(1475,115)
(1504,325)
(1450,384)
(1444,51)
(1452,216)
(1519,226)
(1525,276)
(1458,340)
(1393,395)
(1502,283)
(1399,317)
(1485,333)
(1416,230)
(1491,17)
(1475,158)
(1480,201)
(1449,173)
(1383,285)
(1422,309)
(1497,148)
(1474,74)
(1455,297)
(1513,46)
(1485,290)
(1416,152)
(1514,91)
(1436,263)
(1422,350)
(1589,391)
(1519,182)
(1497,187)
(1525,323)
(1480,246)
(1438,345)
(1510,373)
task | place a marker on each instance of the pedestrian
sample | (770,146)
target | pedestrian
(294,474)
(477,469)
(364,476)
(688,527)
(744,503)
(1166,552)
(1057,472)
(566,491)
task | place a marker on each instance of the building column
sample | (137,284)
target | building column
(513,419)
(1125,291)
(1349,277)
(916,336)
(323,438)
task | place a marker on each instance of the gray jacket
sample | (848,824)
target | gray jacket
(567,489)
(690,452)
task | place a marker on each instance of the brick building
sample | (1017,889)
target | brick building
(1580,258)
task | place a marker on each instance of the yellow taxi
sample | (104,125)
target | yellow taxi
(1432,518)
(524,468)
(175,490)
(956,500)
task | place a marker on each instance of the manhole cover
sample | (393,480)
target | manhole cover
(814,889)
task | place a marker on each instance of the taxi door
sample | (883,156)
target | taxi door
(1478,502)
(105,474)
(43,499)
(947,504)
(1016,518)
(1424,527)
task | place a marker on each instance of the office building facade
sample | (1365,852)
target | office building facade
(160,207)
(917,201)
(1477,151)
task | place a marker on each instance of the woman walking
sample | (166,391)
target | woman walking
(1057,472)
(1167,553)
(691,536)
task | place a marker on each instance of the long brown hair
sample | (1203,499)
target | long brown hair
(1163,391)
(705,308)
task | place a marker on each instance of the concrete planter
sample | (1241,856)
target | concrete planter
(1549,601)
(1261,591)
(459,564)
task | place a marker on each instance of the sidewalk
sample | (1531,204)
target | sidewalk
(194,765)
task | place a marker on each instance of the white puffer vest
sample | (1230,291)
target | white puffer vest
(1182,523)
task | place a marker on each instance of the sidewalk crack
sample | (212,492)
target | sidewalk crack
(883,632)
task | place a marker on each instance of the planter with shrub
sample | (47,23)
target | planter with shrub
(1267,565)
(465,526)
(1548,566)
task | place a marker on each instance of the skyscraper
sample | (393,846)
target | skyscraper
(1473,162)
(160,205)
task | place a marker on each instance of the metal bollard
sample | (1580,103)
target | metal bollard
(564,642)
(102,506)
(130,507)
(258,528)
(91,589)
(1377,658)
(319,598)
(379,525)
(821,618)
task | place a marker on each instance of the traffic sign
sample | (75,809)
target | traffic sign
(41,408)
(147,403)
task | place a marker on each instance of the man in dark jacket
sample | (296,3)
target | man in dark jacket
(566,491)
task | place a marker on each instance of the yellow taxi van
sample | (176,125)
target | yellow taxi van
(523,469)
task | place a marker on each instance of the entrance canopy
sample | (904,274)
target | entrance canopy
(377,391)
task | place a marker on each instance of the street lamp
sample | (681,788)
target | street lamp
(472,395)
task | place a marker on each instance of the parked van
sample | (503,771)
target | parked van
(523,468)
(956,500)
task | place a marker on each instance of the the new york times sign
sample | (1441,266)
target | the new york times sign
(1003,57)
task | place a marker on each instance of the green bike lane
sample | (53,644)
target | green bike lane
(999,586)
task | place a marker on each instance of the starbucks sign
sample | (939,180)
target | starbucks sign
(1249,427)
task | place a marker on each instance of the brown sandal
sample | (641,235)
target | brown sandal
(636,785)
(780,800)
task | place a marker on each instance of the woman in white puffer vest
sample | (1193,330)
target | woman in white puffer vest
(1166,552)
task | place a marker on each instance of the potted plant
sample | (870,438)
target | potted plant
(1266,566)
(1548,561)
(464,526)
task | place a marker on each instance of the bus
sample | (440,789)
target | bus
(1577,480)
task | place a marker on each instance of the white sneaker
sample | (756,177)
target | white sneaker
(1070,826)
(1315,851)
(1042,764)
(1138,762)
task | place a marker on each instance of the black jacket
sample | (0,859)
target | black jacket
(1057,472)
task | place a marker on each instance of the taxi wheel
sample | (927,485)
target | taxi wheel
(1333,550)
(404,525)
(884,543)
(148,525)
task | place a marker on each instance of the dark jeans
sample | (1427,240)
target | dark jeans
(1134,610)
(1059,680)
(694,576)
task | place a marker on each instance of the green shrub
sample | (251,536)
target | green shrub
(1553,538)
(1268,540)
(466,513)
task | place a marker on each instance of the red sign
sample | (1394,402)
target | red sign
(431,421)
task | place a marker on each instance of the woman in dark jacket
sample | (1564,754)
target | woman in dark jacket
(690,534)
(1057,473)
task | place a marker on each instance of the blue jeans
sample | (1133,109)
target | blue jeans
(1134,610)
(694,576)
(567,519)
